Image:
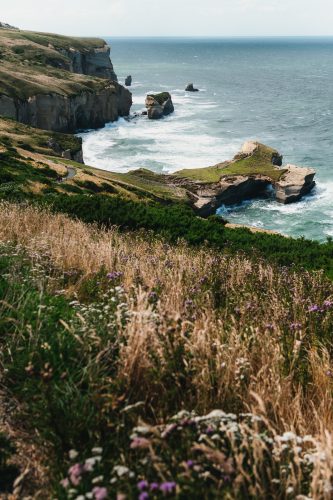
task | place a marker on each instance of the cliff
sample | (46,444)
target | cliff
(59,83)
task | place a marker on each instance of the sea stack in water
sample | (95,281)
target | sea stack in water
(190,88)
(294,184)
(128,81)
(159,105)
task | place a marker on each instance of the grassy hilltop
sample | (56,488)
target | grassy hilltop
(31,63)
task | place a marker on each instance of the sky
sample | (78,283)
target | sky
(172,17)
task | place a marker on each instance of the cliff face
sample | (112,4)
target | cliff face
(59,83)
(63,113)
(94,62)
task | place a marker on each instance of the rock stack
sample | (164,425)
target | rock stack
(190,88)
(159,105)
(128,81)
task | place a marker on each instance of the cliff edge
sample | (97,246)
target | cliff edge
(59,83)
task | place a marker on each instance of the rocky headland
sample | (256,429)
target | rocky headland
(250,174)
(59,83)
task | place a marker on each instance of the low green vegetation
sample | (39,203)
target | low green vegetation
(260,162)
(15,134)
(161,97)
(178,221)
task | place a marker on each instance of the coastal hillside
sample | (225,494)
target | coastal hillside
(149,350)
(59,83)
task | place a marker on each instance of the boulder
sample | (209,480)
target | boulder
(128,81)
(159,105)
(190,88)
(294,184)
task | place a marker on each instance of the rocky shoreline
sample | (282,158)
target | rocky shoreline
(77,88)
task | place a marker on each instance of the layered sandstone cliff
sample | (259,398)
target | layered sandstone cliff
(62,113)
(59,83)
(93,62)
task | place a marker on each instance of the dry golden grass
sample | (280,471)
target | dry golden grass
(228,321)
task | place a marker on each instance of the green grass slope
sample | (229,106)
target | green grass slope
(33,63)
(259,163)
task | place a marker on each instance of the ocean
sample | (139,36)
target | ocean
(277,91)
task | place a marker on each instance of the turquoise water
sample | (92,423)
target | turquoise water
(277,91)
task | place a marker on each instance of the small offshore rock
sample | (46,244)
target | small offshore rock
(128,81)
(190,88)
(159,105)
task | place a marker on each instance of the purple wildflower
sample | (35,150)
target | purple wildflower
(329,373)
(314,308)
(189,464)
(154,486)
(295,326)
(114,275)
(143,496)
(328,303)
(100,493)
(168,487)
(142,485)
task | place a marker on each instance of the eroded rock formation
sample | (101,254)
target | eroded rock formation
(294,184)
(249,175)
(93,62)
(159,105)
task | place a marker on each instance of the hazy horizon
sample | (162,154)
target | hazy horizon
(150,18)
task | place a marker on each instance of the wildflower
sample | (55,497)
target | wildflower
(100,493)
(314,308)
(75,474)
(328,303)
(114,275)
(73,454)
(90,463)
(97,479)
(154,486)
(143,496)
(65,483)
(189,463)
(142,485)
(138,442)
(168,487)
(329,373)
(97,451)
(121,470)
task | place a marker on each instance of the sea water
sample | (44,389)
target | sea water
(276,91)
